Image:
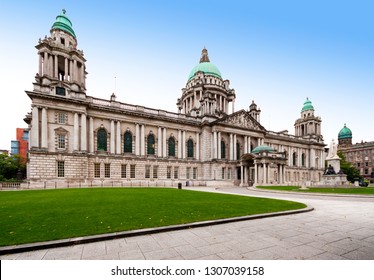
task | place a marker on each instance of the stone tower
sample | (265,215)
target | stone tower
(308,125)
(62,69)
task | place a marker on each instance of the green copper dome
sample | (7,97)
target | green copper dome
(307,105)
(345,133)
(63,23)
(262,148)
(205,66)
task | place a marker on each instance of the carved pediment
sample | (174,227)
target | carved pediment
(241,119)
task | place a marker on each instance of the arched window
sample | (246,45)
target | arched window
(294,159)
(127,142)
(303,160)
(190,148)
(151,144)
(102,140)
(223,149)
(237,151)
(171,144)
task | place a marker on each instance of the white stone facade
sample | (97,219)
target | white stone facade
(79,139)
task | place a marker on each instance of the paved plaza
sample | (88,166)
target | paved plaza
(339,228)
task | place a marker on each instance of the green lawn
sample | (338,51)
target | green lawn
(41,215)
(369,191)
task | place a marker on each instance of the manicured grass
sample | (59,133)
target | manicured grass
(41,215)
(369,191)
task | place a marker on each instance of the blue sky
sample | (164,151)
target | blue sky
(276,53)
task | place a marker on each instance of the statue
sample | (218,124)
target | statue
(333,150)
(330,170)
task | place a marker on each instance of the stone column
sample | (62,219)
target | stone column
(45,64)
(219,146)
(241,177)
(66,70)
(112,138)
(118,138)
(231,147)
(256,174)
(233,106)
(268,175)
(71,70)
(40,65)
(184,144)
(34,133)
(44,129)
(55,74)
(76,133)
(249,145)
(265,172)
(245,176)
(214,144)
(197,146)
(137,140)
(235,152)
(159,140)
(83,133)
(164,151)
(91,135)
(142,141)
(180,144)
(245,144)
(75,72)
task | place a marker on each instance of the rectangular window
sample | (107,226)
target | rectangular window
(61,118)
(358,164)
(147,171)
(223,173)
(188,172)
(176,172)
(107,170)
(228,173)
(60,169)
(61,141)
(194,173)
(366,171)
(132,171)
(155,172)
(97,170)
(60,91)
(123,171)
(168,172)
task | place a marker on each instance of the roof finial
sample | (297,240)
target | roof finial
(204,55)
(63,11)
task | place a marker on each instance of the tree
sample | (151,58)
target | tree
(10,166)
(348,169)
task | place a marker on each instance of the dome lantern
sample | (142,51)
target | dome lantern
(205,66)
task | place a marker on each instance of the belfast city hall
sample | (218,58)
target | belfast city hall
(76,138)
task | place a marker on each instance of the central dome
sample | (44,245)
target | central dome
(205,66)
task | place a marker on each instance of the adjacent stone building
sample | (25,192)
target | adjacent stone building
(79,139)
(361,155)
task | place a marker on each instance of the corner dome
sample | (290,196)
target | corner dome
(205,66)
(262,148)
(345,133)
(307,105)
(63,23)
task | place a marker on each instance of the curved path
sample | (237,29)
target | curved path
(340,227)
